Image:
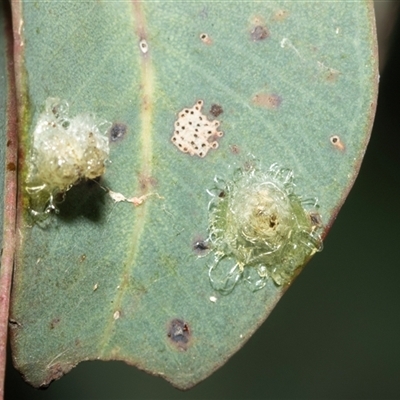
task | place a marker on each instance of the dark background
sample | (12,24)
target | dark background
(336,332)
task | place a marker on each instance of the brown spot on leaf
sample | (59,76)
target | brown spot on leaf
(179,334)
(280,15)
(54,322)
(258,29)
(266,100)
(258,33)
(8,143)
(331,75)
(235,149)
(11,166)
(257,20)
(146,182)
(216,110)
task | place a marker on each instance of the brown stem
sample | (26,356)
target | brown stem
(10,197)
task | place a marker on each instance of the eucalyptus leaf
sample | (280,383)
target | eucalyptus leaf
(116,274)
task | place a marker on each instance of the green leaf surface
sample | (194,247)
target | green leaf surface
(105,280)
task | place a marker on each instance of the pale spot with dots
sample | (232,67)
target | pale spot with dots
(270,101)
(194,133)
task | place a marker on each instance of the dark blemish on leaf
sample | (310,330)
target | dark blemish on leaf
(273,221)
(11,166)
(117,131)
(221,195)
(337,143)
(216,110)
(200,246)
(235,149)
(259,33)
(179,334)
(82,258)
(265,100)
(316,219)
(146,182)
(12,323)
(8,143)
(54,322)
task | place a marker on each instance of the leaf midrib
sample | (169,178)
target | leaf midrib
(147,79)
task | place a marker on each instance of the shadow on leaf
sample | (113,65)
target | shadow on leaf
(86,199)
